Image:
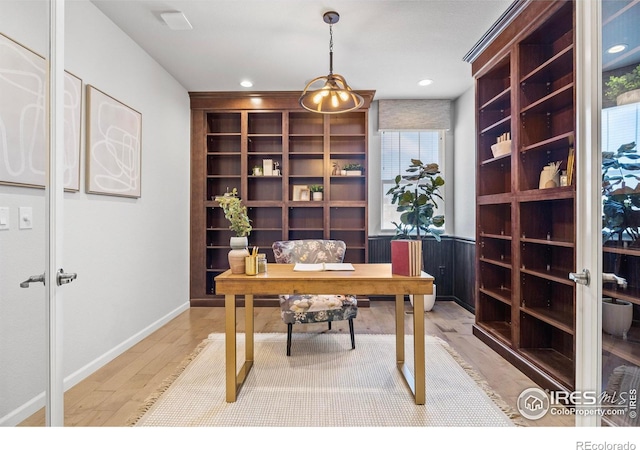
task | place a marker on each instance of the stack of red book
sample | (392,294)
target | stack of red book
(406,257)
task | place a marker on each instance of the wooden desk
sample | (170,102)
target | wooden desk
(366,279)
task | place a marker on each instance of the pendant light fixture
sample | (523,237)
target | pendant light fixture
(335,96)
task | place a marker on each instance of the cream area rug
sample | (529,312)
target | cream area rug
(324,383)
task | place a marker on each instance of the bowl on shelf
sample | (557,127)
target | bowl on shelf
(501,148)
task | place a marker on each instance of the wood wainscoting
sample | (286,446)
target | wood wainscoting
(451,261)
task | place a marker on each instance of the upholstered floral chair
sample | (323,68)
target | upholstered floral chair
(307,308)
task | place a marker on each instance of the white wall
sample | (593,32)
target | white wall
(464,172)
(374,196)
(131,255)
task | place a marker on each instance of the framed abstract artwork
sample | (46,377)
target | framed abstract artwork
(114,145)
(299,192)
(23,119)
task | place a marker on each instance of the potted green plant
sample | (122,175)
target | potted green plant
(415,194)
(620,226)
(353,169)
(625,88)
(316,191)
(236,213)
(621,202)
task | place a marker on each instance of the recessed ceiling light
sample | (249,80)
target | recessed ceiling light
(617,48)
(246,83)
(425,82)
(176,20)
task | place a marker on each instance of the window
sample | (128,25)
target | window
(398,149)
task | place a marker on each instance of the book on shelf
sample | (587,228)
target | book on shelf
(406,257)
(320,267)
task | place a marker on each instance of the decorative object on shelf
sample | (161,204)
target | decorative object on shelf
(624,89)
(617,317)
(335,168)
(236,213)
(564,178)
(276,168)
(415,195)
(571,162)
(502,145)
(335,96)
(257,170)
(353,169)
(305,195)
(297,192)
(550,176)
(621,203)
(267,167)
(316,191)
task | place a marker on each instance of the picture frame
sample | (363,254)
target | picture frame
(114,146)
(305,195)
(23,135)
(297,192)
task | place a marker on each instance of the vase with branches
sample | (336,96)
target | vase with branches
(236,213)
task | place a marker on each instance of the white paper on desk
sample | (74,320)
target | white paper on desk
(319,267)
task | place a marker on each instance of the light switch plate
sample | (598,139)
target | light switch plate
(25,218)
(4,218)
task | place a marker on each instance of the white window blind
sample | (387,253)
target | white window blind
(621,125)
(414,115)
(398,149)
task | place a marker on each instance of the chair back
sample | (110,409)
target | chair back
(311,251)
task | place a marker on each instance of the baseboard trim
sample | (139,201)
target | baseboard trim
(36,403)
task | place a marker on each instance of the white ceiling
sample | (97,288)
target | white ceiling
(381,45)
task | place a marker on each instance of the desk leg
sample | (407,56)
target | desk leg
(248,330)
(230,349)
(418,348)
(400,329)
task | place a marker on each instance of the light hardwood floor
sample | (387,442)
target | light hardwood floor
(113,394)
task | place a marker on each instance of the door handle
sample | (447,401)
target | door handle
(581,278)
(65,278)
(32,279)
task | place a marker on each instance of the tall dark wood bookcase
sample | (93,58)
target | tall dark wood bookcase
(526,236)
(231,133)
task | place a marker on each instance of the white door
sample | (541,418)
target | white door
(31,283)
(608,307)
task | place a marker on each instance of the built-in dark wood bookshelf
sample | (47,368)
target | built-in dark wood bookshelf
(234,132)
(526,236)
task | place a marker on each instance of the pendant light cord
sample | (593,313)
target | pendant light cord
(330,49)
